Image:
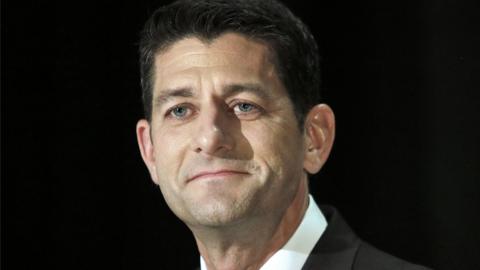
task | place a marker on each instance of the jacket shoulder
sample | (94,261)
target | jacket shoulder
(370,258)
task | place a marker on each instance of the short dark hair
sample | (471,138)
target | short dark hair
(294,50)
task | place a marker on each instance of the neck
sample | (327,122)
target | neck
(250,244)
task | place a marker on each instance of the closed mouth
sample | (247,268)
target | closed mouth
(219,173)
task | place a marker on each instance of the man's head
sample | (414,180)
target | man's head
(223,140)
(292,47)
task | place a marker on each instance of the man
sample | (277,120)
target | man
(234,125)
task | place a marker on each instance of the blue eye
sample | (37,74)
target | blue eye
(245,107)
(179,112)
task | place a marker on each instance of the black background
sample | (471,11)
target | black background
(403,78)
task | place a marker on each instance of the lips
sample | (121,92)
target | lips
(217,173)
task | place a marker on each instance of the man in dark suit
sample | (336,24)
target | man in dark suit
(234,125)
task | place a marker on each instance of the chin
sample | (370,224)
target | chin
(218,212)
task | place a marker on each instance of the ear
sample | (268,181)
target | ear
(146,147)
(319,137)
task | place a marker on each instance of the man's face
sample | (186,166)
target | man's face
(226,145)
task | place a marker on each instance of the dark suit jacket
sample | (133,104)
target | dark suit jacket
(340,249)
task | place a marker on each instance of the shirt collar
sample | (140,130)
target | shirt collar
(295,252)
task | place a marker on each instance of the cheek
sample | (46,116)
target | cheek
(170,149)
(278,145)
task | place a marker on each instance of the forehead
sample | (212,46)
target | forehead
(231,56)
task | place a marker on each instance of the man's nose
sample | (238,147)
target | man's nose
(213,134)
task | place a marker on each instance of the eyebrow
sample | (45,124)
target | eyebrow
(253,88)
(229,90)
(168,94)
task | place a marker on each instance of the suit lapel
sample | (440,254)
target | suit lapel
(337,247)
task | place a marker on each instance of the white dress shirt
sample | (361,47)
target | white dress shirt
(294,253)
